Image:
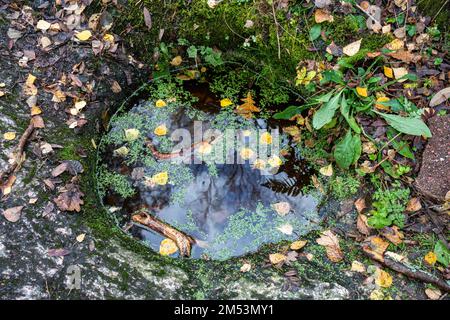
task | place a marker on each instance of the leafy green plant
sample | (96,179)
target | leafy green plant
(388,207)
(442,253)
(344,186)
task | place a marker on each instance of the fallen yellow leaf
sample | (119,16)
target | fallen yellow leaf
(176,61)
(430,258)
(108,37)
(161,130)
(80,237)
(9,135)
(30,80)
(358,267)
(388,72)
(380,106)
(265,138)
(167,247)
(297,245)
(331,243)
(160,103)
(322,15)
(160,178)
(131,134)
(396,44)
(35,110)
(276,258)
(275,161)
(327,170)
(362,91)
(383,279)
(225,102)
(84,35)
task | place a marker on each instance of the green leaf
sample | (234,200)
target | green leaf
(345,111)
(442,253)
(192,52)
(408,125)
(314,32)
(402,147)
(347,150)
(288,113)
(326,112)
(379,222)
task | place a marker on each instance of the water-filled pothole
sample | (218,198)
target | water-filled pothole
(228,182)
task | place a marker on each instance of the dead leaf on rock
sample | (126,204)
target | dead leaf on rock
(331,243)
(115,87)
(393,234)
(362,225)
(413,205)
(13,214)
(70,198)
(433,294)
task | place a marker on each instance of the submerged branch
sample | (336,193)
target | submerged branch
(183,241)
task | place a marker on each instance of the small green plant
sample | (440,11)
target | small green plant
(388,207)
(345,186)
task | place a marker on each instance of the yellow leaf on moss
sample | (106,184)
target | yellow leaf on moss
(388,72)
(430,258)
(35,110)
(327,170)
(362,91)
(265,138)
(161,130)
(297,245)
(9,136)
(176,61)
(352,48)
(276,258)
(167,247)
(225,102)
(30,80)
(160,103)
(84,35)
(383,279)
(122,151)
(131,134)
(108,37)
(161,178)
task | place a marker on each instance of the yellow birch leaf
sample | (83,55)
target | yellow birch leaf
(362,91)
(108,37)
(84,35)
(161,130)
(160,103)
(327,170)
(9,136)
(30,80)
(430,258)
(380,106)
(383,279)
(388,72)
(297,245)
(225,102)
(352,48)
(131,134)
(35,110)
(160,178)
(167,247)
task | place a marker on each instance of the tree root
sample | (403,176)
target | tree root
(183,241)
(411,271)
(18,155)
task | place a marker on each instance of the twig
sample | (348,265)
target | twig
(18,154)
(184,242)
(276,26)
(411,271)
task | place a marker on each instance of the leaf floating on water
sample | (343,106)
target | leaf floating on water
(167,247)
(352,48)
(161,130)
(282,208)
(160,178)
(131,134)
(160,103)
(286,229)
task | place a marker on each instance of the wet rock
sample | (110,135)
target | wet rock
(434,176)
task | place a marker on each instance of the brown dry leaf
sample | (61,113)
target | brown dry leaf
(375,247)
(176,61)
(322,15)
(440,97)
(413,205)
(317,184)
(246,267)
(433,294)
(276,258)
(70,198)
(38,122)
(147,18)
(360,204)
(115,87)
(393,234)
(13,214)
(331,243)
(404,56)
(362,225)
(248,107)
(6,188)
(352,48)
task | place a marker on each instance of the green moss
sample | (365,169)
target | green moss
(344,186)
(437,9)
